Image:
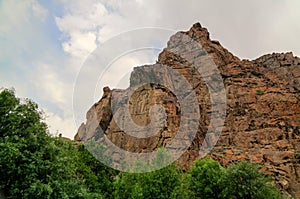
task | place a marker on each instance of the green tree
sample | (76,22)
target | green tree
(98,176)
(208,179)
(156,184)
(35,165)
(204,178)
(244,180)
(182,191)
(32,163)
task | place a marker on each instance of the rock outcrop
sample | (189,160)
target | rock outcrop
(262,122)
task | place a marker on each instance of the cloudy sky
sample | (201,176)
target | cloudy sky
(44,44)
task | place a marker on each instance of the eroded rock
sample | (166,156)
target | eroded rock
(262,112)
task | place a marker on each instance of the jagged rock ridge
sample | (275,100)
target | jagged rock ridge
(262,112)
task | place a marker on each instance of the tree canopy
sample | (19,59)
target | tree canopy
(34,164)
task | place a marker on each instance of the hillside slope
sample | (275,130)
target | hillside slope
(262,121)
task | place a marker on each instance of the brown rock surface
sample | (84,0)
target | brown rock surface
(262,113)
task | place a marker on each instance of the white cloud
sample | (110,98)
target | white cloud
(40,71)
(55,95)
(15,14)
(87,17)
(60,124)
(80,25)
(241,26)
(38,10)
(86,24)
(50,84)
(30,62)
(81,44)
(121,69)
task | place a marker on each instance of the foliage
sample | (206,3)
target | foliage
(244,180)
(182,191)
(156,184)
(204,178)
(35,165)
(99,177)
(32,163)
(260,92)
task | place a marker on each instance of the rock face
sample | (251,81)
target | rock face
(262,121)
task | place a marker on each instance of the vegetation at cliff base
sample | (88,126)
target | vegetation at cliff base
(34,164)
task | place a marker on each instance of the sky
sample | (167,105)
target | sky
(45,44)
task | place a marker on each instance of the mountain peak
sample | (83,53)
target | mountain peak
(262,107)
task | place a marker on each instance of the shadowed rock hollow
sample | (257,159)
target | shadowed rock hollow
(262,108)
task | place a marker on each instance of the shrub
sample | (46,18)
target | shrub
(204,178)
(244,180)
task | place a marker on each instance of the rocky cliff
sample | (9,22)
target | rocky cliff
(262,122)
